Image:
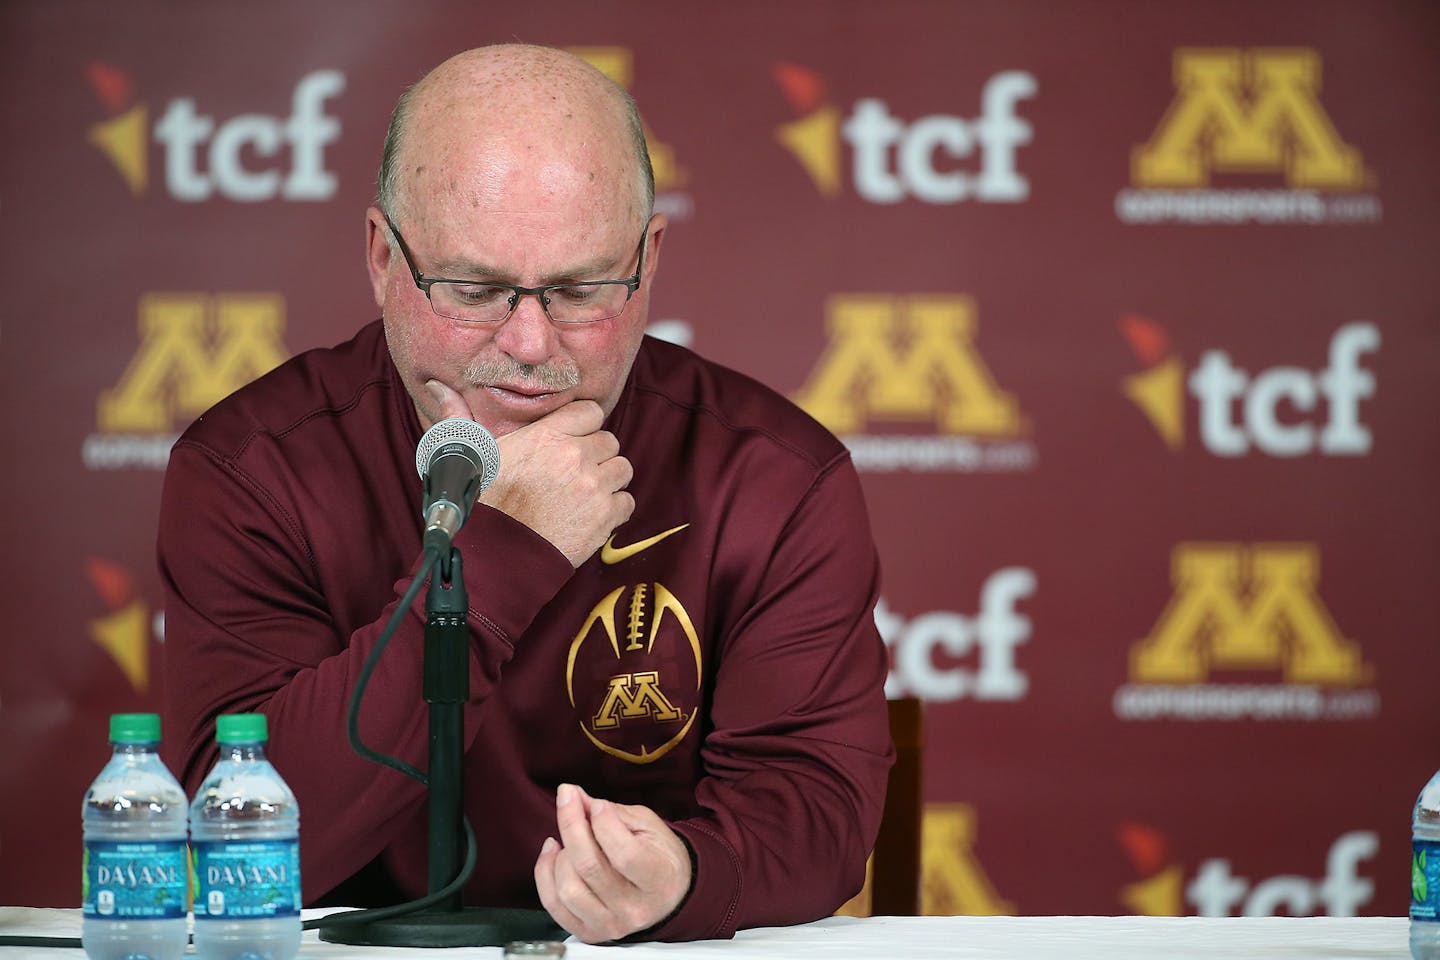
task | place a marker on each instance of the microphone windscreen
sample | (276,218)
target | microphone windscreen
(467,432)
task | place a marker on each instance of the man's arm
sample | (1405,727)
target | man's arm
(249,628)
(795,762)
(799,751)
(250,624)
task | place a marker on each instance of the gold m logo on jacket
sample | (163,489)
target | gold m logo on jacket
(1246,607)
(906,358)
(631,696)
(1252,111)
(195,349)
(639,712)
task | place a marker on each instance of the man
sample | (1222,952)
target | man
(676,725)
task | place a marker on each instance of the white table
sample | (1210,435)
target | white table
(913,938)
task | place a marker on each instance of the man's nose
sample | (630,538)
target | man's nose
(528,334)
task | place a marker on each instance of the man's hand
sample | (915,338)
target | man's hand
(616,870)
(562,476)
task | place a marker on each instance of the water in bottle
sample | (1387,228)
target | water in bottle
(244,828)
(134,881)
(1425,873)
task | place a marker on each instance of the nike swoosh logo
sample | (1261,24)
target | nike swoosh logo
(613,554)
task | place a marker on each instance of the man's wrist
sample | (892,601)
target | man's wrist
(647,933)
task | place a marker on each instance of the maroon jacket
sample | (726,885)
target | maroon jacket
(729,676)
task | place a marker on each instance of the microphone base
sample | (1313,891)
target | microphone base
(469,927)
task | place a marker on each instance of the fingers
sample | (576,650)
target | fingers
(598,447)
(605,445)
(623,506)
(592,468)
(545,880)
(642,848)
(569,899)
(547,885)
(564,478)
(617,869)
(617,842)
(624,472)
(583,856)
(576,882)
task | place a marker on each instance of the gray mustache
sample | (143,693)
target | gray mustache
(550,377)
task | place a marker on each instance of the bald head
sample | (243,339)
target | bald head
(526,98)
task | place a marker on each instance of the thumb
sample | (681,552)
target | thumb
(638,818)
(450,402)
(578,418)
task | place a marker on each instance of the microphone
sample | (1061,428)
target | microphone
(456,460)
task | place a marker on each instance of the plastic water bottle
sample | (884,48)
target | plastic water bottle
(135,879)
(245,830)
(1425,873)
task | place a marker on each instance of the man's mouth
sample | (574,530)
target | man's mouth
(519,391)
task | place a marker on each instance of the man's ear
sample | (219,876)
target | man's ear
(377,253)
(657,226)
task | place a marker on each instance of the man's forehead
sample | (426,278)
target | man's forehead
(574,189)
(522,244)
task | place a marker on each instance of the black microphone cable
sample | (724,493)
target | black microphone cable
(476,447)
(429,562)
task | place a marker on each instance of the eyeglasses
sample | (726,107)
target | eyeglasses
(583,301)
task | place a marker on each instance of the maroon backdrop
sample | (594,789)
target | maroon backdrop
(1128,312)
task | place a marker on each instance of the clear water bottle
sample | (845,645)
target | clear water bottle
(1425,873)
(245,828)
(135,880)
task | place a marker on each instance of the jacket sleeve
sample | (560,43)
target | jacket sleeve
(796,760)
(249,629)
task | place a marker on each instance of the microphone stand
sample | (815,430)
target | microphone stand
(447,690)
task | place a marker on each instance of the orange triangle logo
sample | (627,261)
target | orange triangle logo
(814,141)
(814,138)
(123,141)
(1159,390)
(124,635)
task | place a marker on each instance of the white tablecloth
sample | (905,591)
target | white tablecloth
(915,938)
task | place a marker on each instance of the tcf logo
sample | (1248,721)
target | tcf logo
(1216,891)
(929,649)
(1219,385)
(892,159)
(203,155)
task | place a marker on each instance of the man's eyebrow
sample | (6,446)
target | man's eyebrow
(463,269)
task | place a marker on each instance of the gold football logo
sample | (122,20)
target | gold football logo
(627,706)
